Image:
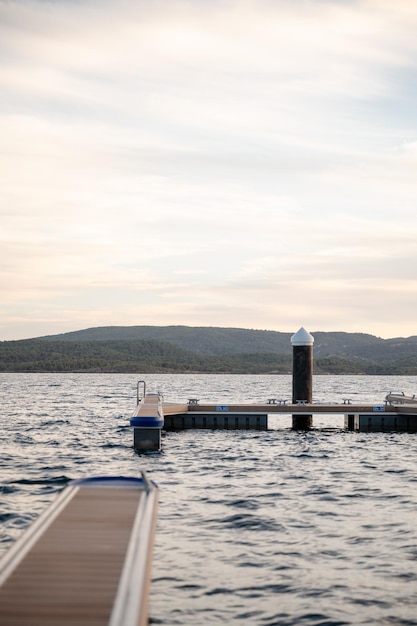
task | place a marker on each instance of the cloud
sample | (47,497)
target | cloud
(235,159)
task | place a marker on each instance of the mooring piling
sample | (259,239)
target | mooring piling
(302,375)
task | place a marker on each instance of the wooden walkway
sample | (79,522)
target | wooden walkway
(86,561)
(278,406)
(398,416)
(396,413)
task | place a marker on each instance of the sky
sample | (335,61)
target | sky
(233,163)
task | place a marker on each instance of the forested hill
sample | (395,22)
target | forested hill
(149,349)
(200,340)
(216,341)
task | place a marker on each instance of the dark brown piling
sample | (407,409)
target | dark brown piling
(302,376)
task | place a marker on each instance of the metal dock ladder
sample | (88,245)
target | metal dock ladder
(86,561)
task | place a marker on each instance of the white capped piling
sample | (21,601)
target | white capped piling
(302,375)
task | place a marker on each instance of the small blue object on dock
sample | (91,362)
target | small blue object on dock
(86,559)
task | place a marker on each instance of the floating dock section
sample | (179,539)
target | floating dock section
(360,417)
(391,415)
(86,561)
(213,416)
(148,419)
(221,418)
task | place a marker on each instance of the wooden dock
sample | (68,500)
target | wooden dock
(280,406)
(396,413)
(147,421)
(86,561)
(365,417)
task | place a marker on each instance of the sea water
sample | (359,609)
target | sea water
(261,528)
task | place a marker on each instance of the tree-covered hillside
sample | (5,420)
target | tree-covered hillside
(87,351)
(200,340)
(223,341)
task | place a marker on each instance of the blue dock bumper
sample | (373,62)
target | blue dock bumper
(147,422)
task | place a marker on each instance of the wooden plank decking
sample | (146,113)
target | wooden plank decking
(70,574)
(307,408)
(382,417)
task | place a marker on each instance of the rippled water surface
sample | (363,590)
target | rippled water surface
(263,528)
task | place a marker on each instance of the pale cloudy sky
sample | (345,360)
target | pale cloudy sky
(247,163)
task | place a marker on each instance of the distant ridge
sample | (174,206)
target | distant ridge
(204,349)
(209,340)
(212,340)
